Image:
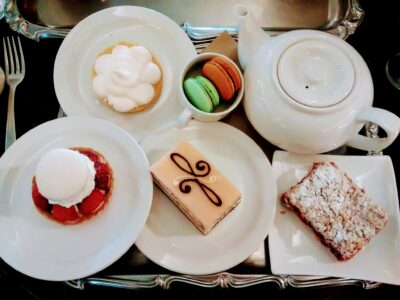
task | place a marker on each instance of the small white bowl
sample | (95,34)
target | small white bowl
(193,68)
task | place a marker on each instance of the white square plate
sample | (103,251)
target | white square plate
(294,248)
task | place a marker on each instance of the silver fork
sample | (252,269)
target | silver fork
(15,72)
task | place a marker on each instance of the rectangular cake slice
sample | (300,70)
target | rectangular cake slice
(344,218)
(193,183)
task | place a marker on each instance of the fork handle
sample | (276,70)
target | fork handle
(10,127)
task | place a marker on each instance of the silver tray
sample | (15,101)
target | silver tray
(201,19)
(39,19)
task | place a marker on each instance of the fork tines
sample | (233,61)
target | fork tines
(13,59)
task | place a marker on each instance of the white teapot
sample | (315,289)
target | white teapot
(308,91)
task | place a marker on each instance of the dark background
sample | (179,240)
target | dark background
(376,40)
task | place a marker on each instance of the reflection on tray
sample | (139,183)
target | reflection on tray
(200,18)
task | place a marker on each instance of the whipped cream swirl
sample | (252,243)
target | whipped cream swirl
(125,78)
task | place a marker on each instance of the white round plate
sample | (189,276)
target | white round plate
(73,68)
(172,241)
(44,249)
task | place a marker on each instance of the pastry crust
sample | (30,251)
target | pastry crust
(341,214)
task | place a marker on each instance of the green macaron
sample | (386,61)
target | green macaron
(209,88)
(201,93)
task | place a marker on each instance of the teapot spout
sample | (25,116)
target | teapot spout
(251,35)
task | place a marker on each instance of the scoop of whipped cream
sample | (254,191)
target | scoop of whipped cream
(125,77)
(65,177)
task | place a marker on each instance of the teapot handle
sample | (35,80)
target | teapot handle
(386,120)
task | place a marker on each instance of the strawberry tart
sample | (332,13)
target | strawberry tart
(72,185)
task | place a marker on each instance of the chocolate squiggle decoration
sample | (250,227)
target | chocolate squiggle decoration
(202,169)
(182,163)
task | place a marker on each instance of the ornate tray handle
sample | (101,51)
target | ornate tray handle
(355,15)
(35,32)
(222,280)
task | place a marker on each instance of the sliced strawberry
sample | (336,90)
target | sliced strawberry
(92,203)
(101,169)
(64,214)
(102,178)
(96,159)
(40,201)
(102,182)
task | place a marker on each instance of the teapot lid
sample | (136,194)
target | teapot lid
(316,73)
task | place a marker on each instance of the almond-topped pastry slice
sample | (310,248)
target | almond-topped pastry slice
(194,184)
(341,214)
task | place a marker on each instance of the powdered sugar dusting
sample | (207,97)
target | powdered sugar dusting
(339,211)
